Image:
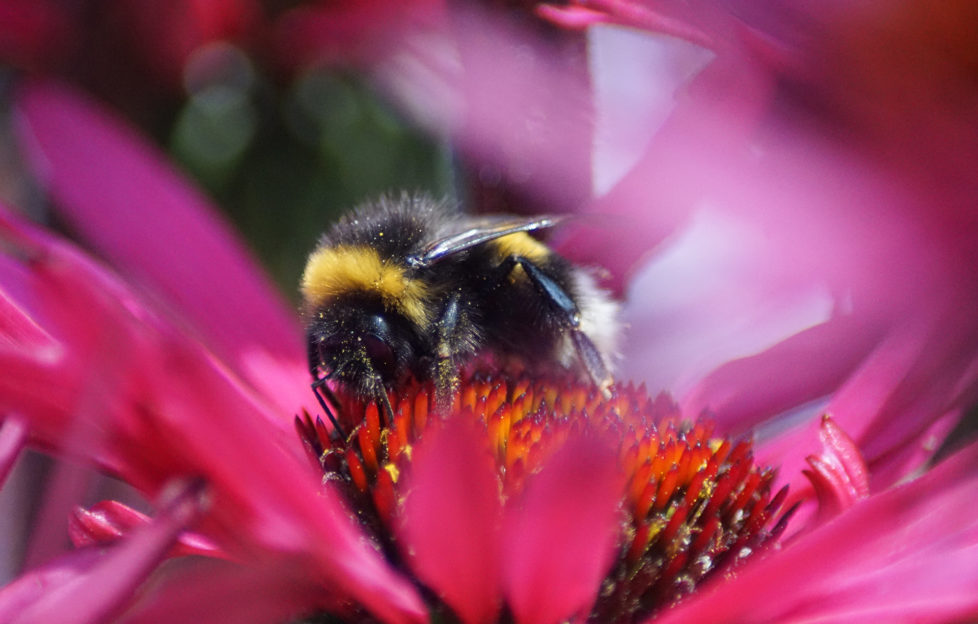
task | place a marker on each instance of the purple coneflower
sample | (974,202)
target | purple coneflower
(178,371)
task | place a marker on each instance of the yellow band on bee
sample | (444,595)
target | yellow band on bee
(523,245)
(336,271)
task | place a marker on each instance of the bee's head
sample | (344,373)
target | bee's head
(360,344)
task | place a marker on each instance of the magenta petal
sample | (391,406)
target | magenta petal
(109,521)
(269,496)
(804,367)
(571,17)
(451,521)
(841,452)
(217,592)
(104,522)
(157,405)
(13,434)
(907,554)
(120,194)
(559,537)
(89,587)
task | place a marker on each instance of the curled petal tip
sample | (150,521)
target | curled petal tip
(839,475)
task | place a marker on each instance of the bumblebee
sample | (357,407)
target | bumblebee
(411,286)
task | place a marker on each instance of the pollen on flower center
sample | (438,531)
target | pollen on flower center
(693,503)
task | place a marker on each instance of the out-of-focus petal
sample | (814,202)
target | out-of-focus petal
(162,34)
(908,553)
(347,32)
(36,34)
(108,521)
(166,408)
(806,366)
(212,591)
(912,377)
(13,434)
(88,586)
(21,335)
(659,20)
(264,492)
(451,521)
(559,537)
(119,194)
(513,104)
(686,159)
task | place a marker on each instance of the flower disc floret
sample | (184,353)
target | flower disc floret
(693,503)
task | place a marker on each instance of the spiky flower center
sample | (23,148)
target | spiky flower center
(693,503)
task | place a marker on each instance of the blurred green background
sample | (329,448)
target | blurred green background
(284,162)
(282,157)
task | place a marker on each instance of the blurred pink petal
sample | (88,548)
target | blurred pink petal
(212,591)
(514,105)
(348,31)
(559,537)
(878,232)
(36,34)
(905,554)
(130,204)
(681,23)
(90,586)
(841,140)
(819,360)
(13,435)
(158,398)
(451,521)
(163,34)
(108,521)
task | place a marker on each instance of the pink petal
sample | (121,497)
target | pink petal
(804,367)
(451,521)
(516,105)
(907,383)
(89,586)
(357,32)
(155,406)
(13,434)
(37,34)
(571,17)
(210,591)
(560,536)
(264,492)
(688,161)
(630,14)
(908,553)
(839,475)
(115,190)
(109,521)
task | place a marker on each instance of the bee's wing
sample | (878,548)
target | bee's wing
(476,231)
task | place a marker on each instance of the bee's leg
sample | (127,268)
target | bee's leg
(570,316)
(385,402)
(445,373)
(321,390)
(323,393)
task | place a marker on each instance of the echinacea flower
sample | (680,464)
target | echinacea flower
(777,171)
(194,401)
(178,371)
(537,493)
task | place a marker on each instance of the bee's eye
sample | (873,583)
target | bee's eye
(381,355)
